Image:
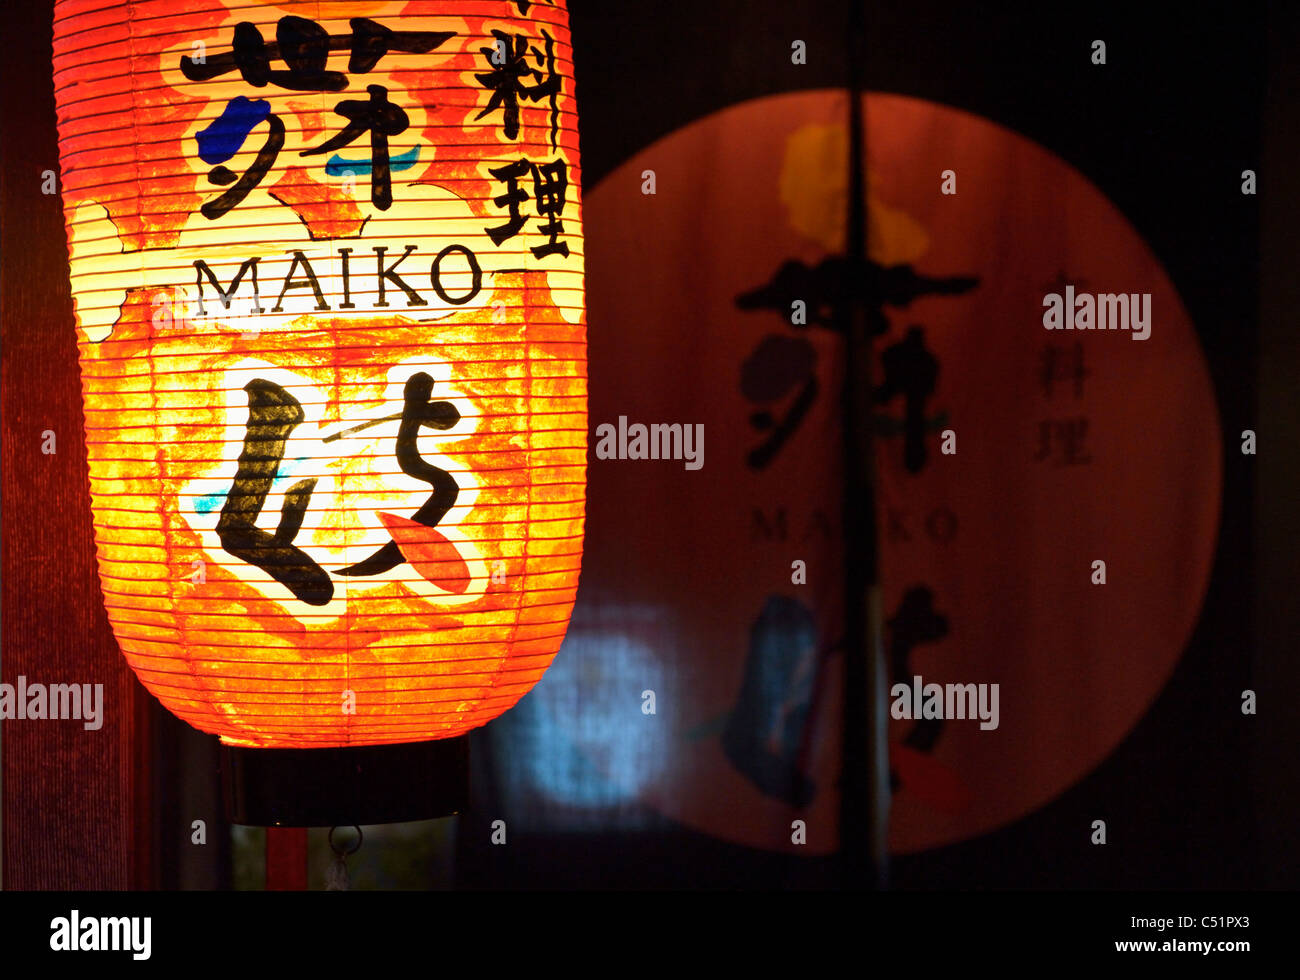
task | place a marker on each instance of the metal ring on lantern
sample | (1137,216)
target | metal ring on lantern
(345,852)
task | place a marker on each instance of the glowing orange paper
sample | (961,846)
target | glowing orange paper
(265,320)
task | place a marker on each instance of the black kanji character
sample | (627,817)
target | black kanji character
(251,178)
(550,190)
(506,80)
(273,414)
(836,284)
(830,292)
(304,47)
(550,184)
(372,41)
(1055,367)
(417,411)
(508,58)
(512,198)
(382,119)
(915,622)
(1070,435)
(911,371)
(778,366)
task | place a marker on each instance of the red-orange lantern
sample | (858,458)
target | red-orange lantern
(327,266)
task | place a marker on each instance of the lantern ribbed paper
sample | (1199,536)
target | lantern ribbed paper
(326,260)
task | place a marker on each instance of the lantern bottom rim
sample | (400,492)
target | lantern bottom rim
(356,785)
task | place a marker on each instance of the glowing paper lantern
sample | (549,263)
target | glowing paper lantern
(327,266)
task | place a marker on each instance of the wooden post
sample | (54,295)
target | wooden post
(77,809)
(864,787)
(286,859)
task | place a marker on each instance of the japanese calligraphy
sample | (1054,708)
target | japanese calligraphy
(508,76)
(914,622)
(780,365)
(273,415)
(381,119)
(304,47)
(827,293)
(550,186)
(417,411)
(911,372)
(1061,440)
(1060,363)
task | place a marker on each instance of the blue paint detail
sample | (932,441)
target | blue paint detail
(223,138)
(206,505)
(338,166)
(285,475)
(775,702)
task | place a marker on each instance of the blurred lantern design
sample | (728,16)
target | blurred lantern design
(327,267)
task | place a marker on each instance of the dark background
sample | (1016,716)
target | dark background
(1164,129)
